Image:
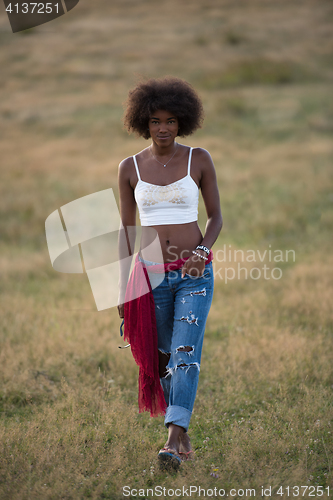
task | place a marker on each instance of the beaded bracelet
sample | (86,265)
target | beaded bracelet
(198,254)
(202,247)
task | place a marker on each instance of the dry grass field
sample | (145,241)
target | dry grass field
(263,416)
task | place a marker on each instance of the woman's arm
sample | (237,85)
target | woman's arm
(211,197)
(127,233)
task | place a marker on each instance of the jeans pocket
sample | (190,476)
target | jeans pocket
(205,275)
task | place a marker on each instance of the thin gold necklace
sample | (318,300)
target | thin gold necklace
(168,160)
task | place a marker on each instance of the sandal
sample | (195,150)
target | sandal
(169,459)
(186,455)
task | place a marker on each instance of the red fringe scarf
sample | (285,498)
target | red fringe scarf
(141,332)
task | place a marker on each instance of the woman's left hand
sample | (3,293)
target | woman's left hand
(194,266)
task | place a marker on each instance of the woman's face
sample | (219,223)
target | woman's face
(163,127)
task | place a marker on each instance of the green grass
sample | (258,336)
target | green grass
(257,71)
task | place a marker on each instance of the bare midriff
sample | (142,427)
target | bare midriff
(177,240)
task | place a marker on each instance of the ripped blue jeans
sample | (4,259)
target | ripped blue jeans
(181,307)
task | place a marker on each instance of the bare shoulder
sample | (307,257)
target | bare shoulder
(203,157)
(126,165)
(202,154)
(126,170)
(203,161)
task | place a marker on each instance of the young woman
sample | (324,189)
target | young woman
(163,181)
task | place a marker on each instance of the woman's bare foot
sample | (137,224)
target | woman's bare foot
(169,455)
(185,448)
(178,444)
(173,441)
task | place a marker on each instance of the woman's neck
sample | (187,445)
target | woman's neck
(166,150)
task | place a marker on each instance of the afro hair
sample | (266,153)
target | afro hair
(168,94)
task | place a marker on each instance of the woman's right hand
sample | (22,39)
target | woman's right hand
(121,310)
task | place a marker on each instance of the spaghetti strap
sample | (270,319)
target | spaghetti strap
(189,162)
(136,168)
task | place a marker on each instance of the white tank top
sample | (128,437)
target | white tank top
(176,203)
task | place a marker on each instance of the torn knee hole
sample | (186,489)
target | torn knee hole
(191,320)
(199,292)
(186,348)
(184,366)
(183,348)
